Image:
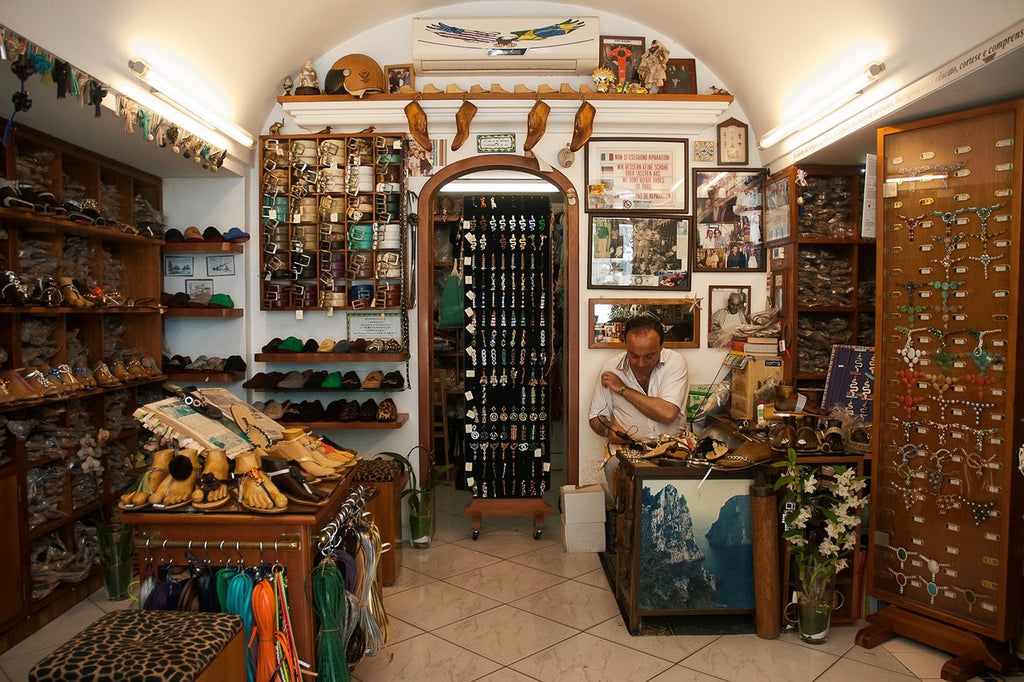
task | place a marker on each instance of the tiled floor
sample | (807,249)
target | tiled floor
(508,607)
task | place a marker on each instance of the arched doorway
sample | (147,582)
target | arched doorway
(424,285)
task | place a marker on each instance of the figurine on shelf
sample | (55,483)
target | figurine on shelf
(288,84)
(604,79)
(653,65)
(308,83)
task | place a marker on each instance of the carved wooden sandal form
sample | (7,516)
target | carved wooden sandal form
(583,126)
(418,124)
(536,124)
(463,117)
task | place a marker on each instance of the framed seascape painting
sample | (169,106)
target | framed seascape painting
(695,548)
(640,252)
(728,209)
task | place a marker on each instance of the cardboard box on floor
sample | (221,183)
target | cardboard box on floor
(583,511)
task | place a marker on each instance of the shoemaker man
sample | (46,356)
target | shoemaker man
(641,393)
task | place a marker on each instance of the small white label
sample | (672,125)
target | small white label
(468,279)
(896,160)
(927,155)
(1002,167)
(961,197)
(962,149)
(1003,193)
(925,271)
(962,173)
(1007,142)
(925,247)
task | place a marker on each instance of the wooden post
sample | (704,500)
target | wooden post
(765,531)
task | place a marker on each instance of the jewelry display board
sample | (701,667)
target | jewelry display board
(332,221)
(946,542)
(507,265)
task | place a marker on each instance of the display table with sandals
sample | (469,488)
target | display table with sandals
(287,539)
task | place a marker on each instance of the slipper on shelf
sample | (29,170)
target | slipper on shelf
(783,438)
(807,440)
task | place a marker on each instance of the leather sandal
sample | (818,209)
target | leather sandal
(290,480)
(807,440)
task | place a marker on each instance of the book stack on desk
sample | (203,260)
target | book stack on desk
(755,345)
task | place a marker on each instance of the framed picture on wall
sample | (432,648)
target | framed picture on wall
(398,75)
(680,77)
(622,55)
(729,306)
(679,316)
(640,252)
(637,175)
(728,212)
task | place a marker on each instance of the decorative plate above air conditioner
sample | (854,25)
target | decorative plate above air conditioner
(535,45)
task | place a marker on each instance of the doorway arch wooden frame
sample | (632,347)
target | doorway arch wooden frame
(425,287)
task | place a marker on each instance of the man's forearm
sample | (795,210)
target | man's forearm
(652,407)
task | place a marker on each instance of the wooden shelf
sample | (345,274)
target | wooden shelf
(231,247)
(331,357)
(403,417)
(204,377)
(204,312)
(35,222)
(617,114)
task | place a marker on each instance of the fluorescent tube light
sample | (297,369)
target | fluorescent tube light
(838,97)
(179,99)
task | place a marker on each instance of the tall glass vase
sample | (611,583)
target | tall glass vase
(116,558)
(421,520)
(814,606)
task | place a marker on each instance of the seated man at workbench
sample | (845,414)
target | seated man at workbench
(640,393)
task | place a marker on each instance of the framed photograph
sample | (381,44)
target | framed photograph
(732,142)
(178,266)
(728,211)
(680,317)
(636,175)
(776,209)
(220,266)
(640,252)
(196,288)
(680,77)
(622,55)
(729,307)
(399,75)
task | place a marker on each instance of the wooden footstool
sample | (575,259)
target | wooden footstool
(139,646)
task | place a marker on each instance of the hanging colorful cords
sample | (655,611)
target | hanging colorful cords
(331,605)
(284,637)
(264,610)
(239,602)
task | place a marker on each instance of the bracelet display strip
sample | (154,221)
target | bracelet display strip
(944,347)
(505,250)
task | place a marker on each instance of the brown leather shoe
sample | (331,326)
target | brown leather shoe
(40,383)
(103,376)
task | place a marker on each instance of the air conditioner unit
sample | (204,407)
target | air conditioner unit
(539,45)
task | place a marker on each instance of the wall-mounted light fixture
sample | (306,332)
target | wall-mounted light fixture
(167,91)
(836,98)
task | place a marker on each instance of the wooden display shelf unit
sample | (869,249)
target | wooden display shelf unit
(99,330)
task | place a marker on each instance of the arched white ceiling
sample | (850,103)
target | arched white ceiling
(770,54)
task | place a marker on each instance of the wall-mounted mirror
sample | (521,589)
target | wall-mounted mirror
(680,317)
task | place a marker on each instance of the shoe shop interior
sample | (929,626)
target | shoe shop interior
(318,359)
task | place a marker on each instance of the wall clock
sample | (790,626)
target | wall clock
(732,142)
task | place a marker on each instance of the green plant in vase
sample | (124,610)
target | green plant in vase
(421,497)
(821,520)
(115,539)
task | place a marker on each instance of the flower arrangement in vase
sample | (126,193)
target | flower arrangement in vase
(821,521)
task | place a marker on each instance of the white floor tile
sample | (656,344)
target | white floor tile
(585,657)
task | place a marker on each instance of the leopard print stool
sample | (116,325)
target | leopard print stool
(150,646)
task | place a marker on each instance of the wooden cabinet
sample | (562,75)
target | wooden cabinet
(47,502)
(822,272)
(947,542)
(682,544)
